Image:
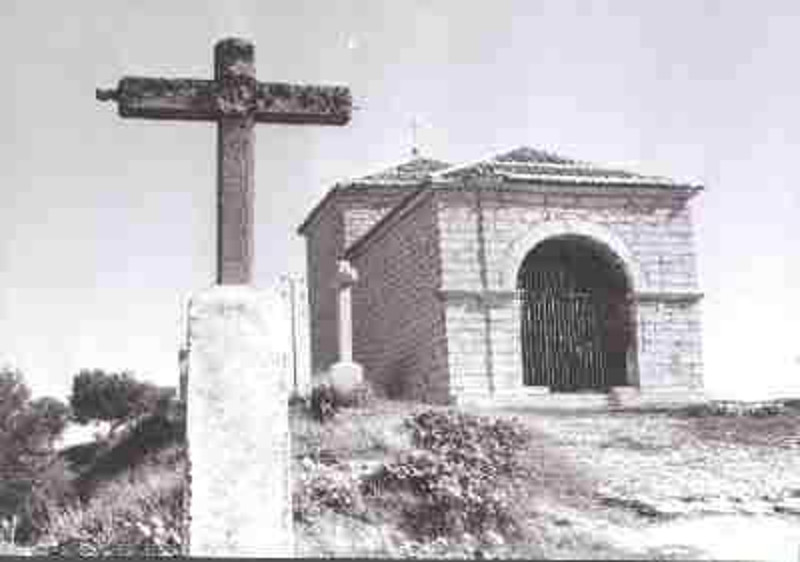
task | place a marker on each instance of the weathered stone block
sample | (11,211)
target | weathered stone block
(237,424)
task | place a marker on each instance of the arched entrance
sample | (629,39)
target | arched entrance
(577,321)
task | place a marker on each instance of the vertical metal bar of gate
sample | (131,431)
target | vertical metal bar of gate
(567,340)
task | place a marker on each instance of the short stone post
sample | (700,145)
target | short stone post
(345,374)
(237,424)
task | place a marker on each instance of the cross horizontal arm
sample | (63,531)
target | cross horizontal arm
(162,98)
(209,100)
(279,102)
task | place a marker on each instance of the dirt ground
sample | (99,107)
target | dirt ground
(669,485)
(615,484)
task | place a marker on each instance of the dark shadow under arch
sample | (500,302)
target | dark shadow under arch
(577,317)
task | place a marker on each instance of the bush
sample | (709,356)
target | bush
(139,515)
(114,397)
(323,487)
(461,480)
(478,442)
(323,404)
(145,438)
(31,476)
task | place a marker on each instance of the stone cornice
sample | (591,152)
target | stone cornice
(565,186)
(669,296)
(501,296)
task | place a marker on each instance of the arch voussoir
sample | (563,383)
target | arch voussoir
(598,233)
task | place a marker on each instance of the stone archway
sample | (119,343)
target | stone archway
(576,316)
(520,248)
(577,324)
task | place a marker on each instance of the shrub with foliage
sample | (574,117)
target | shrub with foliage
(143,440)
(323,404)
(461,478)
(114,397)
(322,486)
(140,515)
(477,441)
(30,474)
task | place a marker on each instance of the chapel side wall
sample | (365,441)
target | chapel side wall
(398,321)
(657,233)
(363,207)
(324,244)
(348,214)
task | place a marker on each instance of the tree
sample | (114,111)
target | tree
(28,429)
(114,397)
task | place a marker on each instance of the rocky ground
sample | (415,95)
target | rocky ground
(681,486)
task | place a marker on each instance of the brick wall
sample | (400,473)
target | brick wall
(398,317)
(657,232)
(324,244)
(343,218)
(363,207)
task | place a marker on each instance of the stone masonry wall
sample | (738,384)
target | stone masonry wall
(324,244)
(398,318)
(657,233)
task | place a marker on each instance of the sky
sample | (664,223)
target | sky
(107,224)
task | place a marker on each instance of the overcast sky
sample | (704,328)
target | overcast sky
(106,225)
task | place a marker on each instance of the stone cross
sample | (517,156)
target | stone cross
(234,369)
(345,375)
(236,101)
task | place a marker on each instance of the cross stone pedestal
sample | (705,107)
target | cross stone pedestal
(345,375)
(237,425)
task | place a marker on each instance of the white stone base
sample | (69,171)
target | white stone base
(345,377)
(237,425)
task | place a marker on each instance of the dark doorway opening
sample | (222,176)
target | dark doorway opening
(577,318)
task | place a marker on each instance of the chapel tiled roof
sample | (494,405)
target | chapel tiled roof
(411,171)
(526,164)
(409,174)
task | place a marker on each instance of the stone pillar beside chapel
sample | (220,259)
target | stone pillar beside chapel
(345,375)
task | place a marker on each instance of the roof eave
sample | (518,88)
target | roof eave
(544,180)
(317,209)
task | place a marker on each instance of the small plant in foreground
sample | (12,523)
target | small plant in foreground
(323,403)
(322,487)
(460,480)
(135,516)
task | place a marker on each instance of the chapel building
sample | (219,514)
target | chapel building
(523,276)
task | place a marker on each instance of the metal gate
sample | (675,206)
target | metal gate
(575,324)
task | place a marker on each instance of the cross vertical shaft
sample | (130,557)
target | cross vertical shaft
(234,69)
(235,199)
